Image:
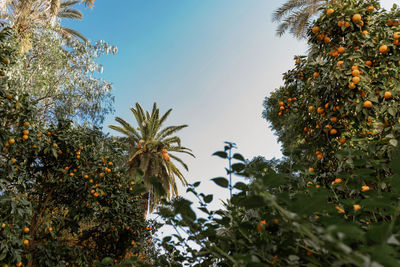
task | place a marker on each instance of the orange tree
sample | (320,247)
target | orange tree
(344,96)
(63,196)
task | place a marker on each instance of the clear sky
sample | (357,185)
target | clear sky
(212,61)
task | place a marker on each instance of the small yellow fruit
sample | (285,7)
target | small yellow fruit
(356,18)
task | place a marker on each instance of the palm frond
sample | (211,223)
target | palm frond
(168,131)
(74,33)
(128,127)
(180,161)
(70,14)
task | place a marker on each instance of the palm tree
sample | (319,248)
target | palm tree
(26,15)
(149,149)
(295,16)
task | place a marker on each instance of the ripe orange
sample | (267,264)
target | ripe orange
(96,194)
(50,229)
(355,67)
(371,8)
(19,264)
(327,40)
(367,104)
(383,49)
(26,124)
(341,49)
(13,160)
(356,80)
(355,73)
(342,140)
(26,230)
(352,86)
(340,63)
(311,170)
(365,32)
(320,156)
(281,103)
(333,119)
(282,108)
(3,225)
(333,132)
(10,96)
(316,74)
(26,242)
(387,95)
(310,108)
(347,24)
(330,11)
(11,141)
(356,18)
(315,29)
(25,137)
(396,35)
(320,110)
(368,63)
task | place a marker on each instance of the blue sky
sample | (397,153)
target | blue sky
(212,61)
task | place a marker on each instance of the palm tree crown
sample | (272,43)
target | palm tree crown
(295,16)
(149,148)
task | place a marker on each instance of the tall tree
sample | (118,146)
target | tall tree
(149,148)
(295,15)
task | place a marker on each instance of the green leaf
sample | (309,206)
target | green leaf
(393,142)
(221,154)
(208,198)
(221,181)
(238,157)
(196,184)
(238,167)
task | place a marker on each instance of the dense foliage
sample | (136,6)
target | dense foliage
(64,196)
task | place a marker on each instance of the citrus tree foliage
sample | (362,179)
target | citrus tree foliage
(344,95)
(284,220)
(63,76)
(63,196)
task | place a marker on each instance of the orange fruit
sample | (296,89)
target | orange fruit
(11,141)
(26,242)
(3,225)
(330,11)
(383,49)
(281,103)
(347,24)
(340,63)
(387,95)
(355,67)
(342,140)
(368,63)
(310,108)
(13,160)
(26,124)
(355,73)
(327,40)
(367,104)
(50,229)
(282,108)
(396,35)
(333,132)
(341,49)
(315,29)
(311,170)
(371,8)
(10,96)
(316,74)
(356,80)
(365,32)
(19,264)
(356,18)
(333,119)
(320,156)
(25,137)
(364,188)
(320,110)
(26,230)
